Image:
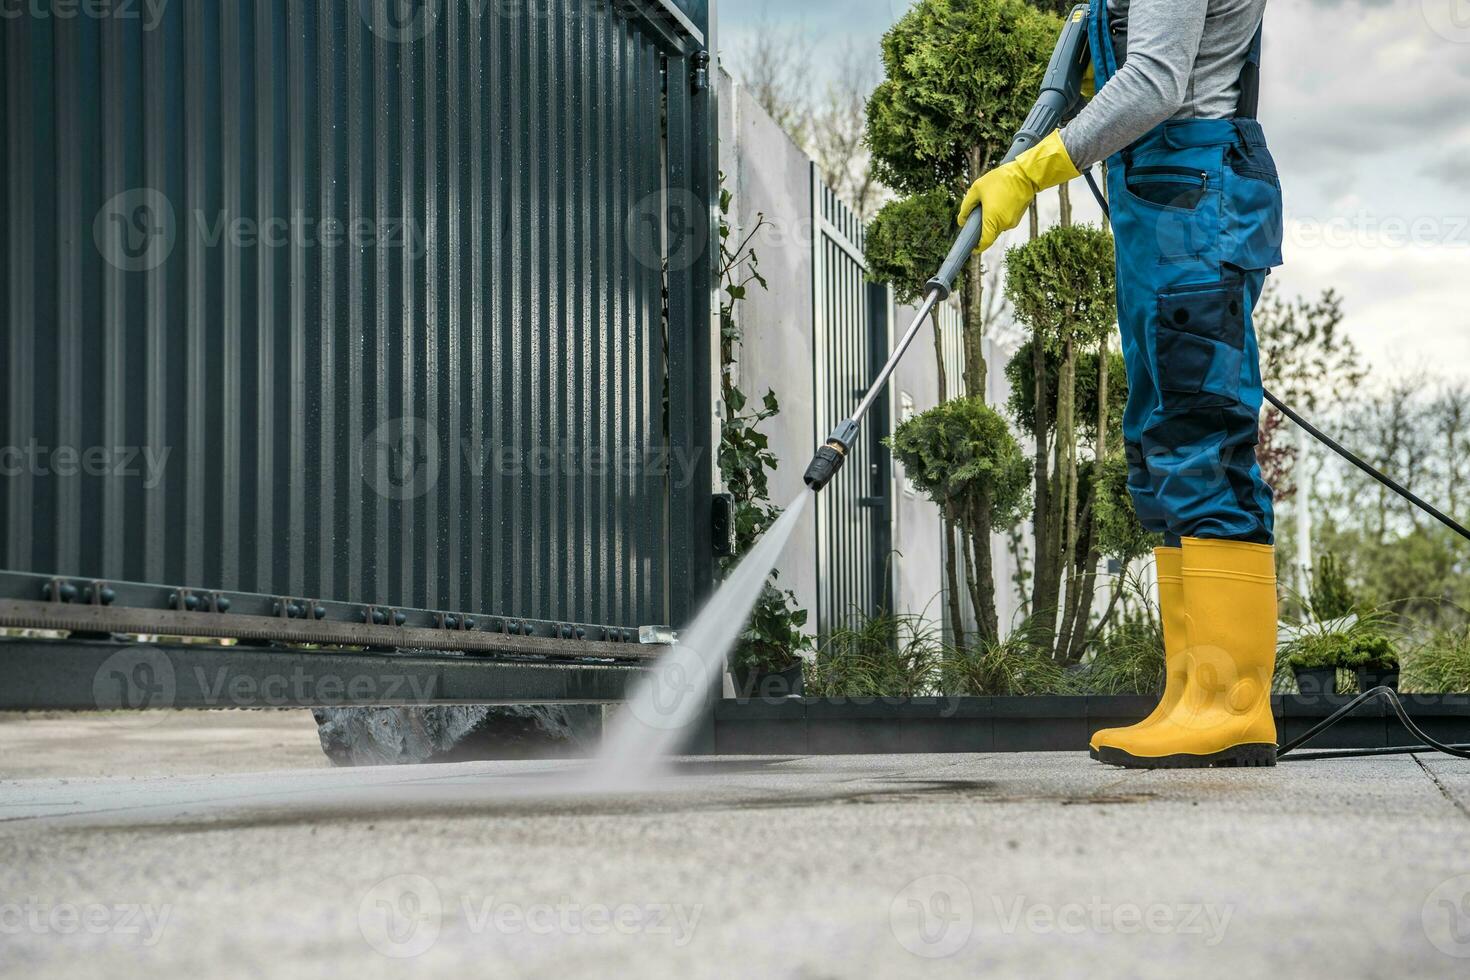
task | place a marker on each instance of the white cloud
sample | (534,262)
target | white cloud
(1366,107)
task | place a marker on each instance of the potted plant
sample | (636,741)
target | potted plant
(1380,662)
(768,661)
(1316,659)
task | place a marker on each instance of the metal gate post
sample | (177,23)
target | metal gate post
(880,427)
(693,181)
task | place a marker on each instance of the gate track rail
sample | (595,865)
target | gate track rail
(72,675)
(91,619)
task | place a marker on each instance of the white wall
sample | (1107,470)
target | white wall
(768,174)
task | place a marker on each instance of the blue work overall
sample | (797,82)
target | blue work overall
(1196,215)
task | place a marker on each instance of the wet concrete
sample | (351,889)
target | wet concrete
(1046,865)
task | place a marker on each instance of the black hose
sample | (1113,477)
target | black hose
(1102,201)
(1387,481)
(1364,753)
(1458,751)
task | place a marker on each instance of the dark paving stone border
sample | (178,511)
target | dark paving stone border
(831,726)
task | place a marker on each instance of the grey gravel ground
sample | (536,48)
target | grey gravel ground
(1033,865)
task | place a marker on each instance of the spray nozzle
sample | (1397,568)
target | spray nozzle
(830,458)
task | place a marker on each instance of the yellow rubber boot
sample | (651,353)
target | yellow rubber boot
(1170,566)
(1223,717)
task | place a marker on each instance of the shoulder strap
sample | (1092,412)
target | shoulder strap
(1250,78)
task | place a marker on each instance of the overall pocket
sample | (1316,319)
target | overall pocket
(1167,210)
(1253,227)
(1169,187)
(1200,344)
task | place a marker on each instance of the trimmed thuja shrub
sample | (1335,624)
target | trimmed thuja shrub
(963,457)
(959,78)
(1068,392)
(1332,597)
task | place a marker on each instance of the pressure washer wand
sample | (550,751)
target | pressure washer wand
(1061,95)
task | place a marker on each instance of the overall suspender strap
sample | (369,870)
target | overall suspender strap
(1250,79)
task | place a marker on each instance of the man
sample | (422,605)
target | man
(1196,216)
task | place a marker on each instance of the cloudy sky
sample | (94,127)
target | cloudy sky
(1367,105)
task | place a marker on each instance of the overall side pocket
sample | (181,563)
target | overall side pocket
(1200,344)
(1253,227)
(1169,187)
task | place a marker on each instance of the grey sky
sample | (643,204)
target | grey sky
(1367,104)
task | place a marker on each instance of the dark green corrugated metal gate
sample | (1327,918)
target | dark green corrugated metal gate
(363,302)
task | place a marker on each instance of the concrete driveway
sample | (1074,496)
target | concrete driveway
(1035,865)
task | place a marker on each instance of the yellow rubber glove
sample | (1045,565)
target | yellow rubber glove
(1008,190)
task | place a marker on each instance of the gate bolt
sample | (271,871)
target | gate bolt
(65,590)
(99,594)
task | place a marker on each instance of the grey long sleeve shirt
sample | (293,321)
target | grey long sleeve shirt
(1184,59)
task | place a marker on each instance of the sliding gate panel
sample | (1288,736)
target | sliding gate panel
(360,300)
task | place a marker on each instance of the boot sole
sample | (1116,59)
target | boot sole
(1239,756)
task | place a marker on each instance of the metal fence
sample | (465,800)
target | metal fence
(852,336)
(303,299)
